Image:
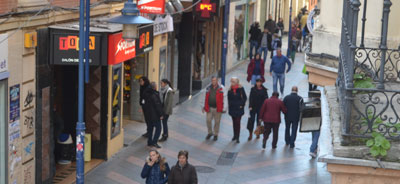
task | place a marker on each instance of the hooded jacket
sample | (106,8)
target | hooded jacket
(154,175)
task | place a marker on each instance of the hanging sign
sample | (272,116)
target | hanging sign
(151,6)
(3,53)
(163,25)
(119,50)
(207,9)
(145,42)
(66,49)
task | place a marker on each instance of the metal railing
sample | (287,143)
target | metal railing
(368,78)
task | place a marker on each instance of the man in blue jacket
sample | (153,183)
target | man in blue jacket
(277,70)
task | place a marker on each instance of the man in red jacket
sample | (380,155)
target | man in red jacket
(270,113)
(214,105)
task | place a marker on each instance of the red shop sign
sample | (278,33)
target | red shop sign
(119,50)
(151,6)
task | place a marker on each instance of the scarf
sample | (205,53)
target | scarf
(234,88)
(163,90)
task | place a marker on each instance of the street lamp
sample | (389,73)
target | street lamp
(130,19)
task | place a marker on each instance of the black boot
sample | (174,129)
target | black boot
(163,138)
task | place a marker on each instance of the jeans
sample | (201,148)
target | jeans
(253,45)
(153,140)
(254,78)
(281,77)
(290,138)
(165,125)
(213,114)
(265,50)
(236,126)
(314,145)
(267,131)
(254,116)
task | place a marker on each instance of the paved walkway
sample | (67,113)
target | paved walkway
(249,163)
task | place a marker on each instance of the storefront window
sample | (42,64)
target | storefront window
(3,128)
(239,32)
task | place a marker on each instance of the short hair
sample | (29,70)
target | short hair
(153,85)
(183,153)
(259,80)
(276,94)
(236,79)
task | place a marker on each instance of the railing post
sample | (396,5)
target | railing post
(383,44)
(364,19)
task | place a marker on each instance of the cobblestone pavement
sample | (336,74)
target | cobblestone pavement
(223,161)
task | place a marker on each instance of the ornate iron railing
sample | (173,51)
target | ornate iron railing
(375,108)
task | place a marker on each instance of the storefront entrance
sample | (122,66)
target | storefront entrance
(3,130)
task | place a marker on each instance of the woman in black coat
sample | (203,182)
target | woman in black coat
(258,94)
(153,114)
(236,103)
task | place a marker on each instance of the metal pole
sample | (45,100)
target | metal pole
(289,49)
(87,32)
(245,32)
(80,126)
(225,40)
(363,23)
(383,45)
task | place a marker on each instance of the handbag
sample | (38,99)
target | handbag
(259,130)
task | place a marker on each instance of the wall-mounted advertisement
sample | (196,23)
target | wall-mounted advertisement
(116,100)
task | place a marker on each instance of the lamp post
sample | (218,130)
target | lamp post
(130,19)
(289,49)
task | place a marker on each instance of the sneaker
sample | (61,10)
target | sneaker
(312,154)
(208,136)
(215,137)
(145,135)
(234,138)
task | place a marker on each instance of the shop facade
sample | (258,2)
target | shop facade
(3,108)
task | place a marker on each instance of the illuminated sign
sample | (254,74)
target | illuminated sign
(207,9)
(151,6)
(120,50)
(145,41)
(72,42)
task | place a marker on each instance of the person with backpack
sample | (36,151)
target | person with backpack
(167,100)
(236,102)
(156,169)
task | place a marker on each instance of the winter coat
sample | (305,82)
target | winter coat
(293,102)
(219,97)
(152,107)
(237,102)
(280,26)
(257,98)
(270,25)
(255,33)
(250,69)
(271,110)
(168,100)
(185,175)
(154,175)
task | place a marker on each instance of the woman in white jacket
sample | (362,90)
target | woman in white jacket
(167,100)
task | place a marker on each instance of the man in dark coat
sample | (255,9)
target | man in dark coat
(153,113)
(270,25)
(293,102)
(183,172)
(144,84)
(255,37)
(270,113)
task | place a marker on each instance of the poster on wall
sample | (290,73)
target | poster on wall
(116,100)
(14,103)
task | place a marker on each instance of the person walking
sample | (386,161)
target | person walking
(255,35)
(281,26)
(167,100)
(270,25)
(214,105)
(293,103)
(276,43)
(258,94)
(255,69)
(183,172)
(264,44)
(236,102)
(144,84)
(270,114)
(153,114)
(277,70)
(156,169)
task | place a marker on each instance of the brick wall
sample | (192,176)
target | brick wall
(7,5)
